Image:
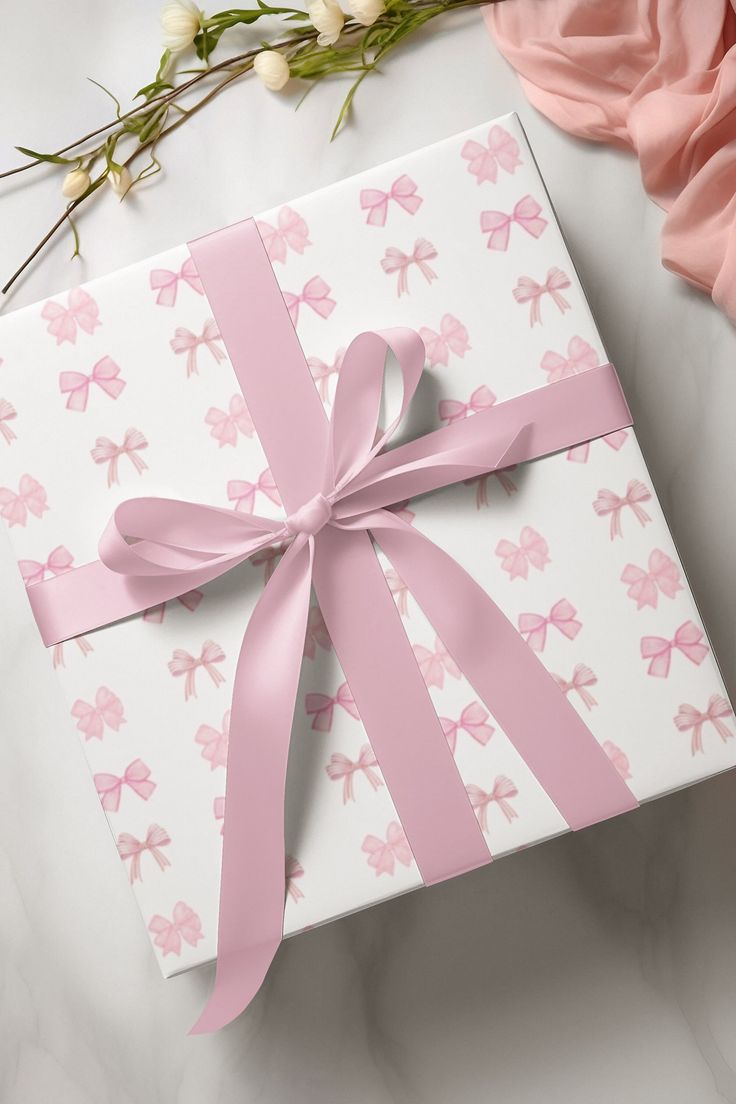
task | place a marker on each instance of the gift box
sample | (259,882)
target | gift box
(131,387)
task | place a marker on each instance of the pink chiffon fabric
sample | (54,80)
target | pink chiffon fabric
(654,76)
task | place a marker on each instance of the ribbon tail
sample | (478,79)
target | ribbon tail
(253,882)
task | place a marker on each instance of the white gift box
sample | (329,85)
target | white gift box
(124,388)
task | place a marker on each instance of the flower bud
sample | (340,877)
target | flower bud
(366,11)
(119,181)
(180,22)
(273,69)
(328,18)
(76,183)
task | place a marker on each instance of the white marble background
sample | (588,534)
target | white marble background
(597,968)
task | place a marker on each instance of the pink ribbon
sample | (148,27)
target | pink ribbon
(60,560)
(529,291)
(497,225)
(75,385)
(336,480)
(131,848)
(375,202)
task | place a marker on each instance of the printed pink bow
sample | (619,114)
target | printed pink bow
(218,808)
(321,707)
(7,414)
(214,743)
(322,373)
(498,225)
(225,424)
(502,152)
(184,664)
(76,384)
(473,721)
(317,635)
(533,626)
(107,452)
(292,232)
(136,777)
(480,482)
(166,283)
(375,202)
(688,639)
(294,870)
(58,653)
(400,591)
(107,710)
(450,410)
(60,560)
(688,717)
(184,341)
(340,766)
(516,558)
(396,261)
(243,493)
(30,499)
(190,601)
(185,925)
(81,312)
(384,854)
(529,291)
(618,757)
(131,848)
(580,453)
(315,294)
(644,586)
(609,503)
(452,338)
(580,357)
(582,677)
(434,664)
(503,789)
(269,557)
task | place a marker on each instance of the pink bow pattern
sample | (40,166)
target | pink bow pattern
(291,232)
(322,373)
(688,639)
(400,591)
(689,718)
(107,710)
(75,385)
(450,410)
(502,152)
(497,224)
(618,757)
(316,635)
(107,452)
(480,482)
(59,561)
(294,870)
(227,424)
(185,925)
(452,338)
(503,789)
(582,677)
(529,291)
(579,453)
(136,777)
(243,493)
(214,743)
(533,626)
(184,341)
(190,601)
(516,558)
(473,721)
(182,664)
(81,312)
(434,664)
(644,586)
(340,767)
(315,294)
(58,653)
(7,414)
(580,358)
(403,192)
(166,283)
(218,809)
(269,557)
(396,261)
(29,499)
(131,848)
(609,503)
(384,854)
(321,707)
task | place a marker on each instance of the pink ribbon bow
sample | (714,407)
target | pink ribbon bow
(214,743)
(107,452)
(321,707)
(502,151)
(107,710)
(533,626)
(582,677)
(434,664)
(294,870)
(340,766)
(580,357)
(516,558)
(322,373)
(452,338)
(315,294)
(7,414)
(480,483)
(166,283)
(243,493)
(59,560)
(498,225)
(185,925)
(131,848)
(184,664)
(396,261)
(184,341)
(292,232)
(609,503)
(190,601)
(384,854)
(644,586)
(473,721)
(58,653)
(579,454)
(29,499)
(688,639)
(226,424)
(76,384)
(529,291)
(503,789)
(375,202)
(81,312)
(689,718)
(269,557)
(110,786)
(450,410)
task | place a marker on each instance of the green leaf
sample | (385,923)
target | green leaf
(77,250)
(115,100)
(52,158)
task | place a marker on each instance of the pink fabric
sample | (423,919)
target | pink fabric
(654,76)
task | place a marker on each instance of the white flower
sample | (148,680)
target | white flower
(366,11)
(119,181)
(76,183)
(328,18)
(273,69)
(180,22)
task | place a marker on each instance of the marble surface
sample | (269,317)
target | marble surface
(599,967)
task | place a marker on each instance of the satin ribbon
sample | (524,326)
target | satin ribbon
(336,483)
